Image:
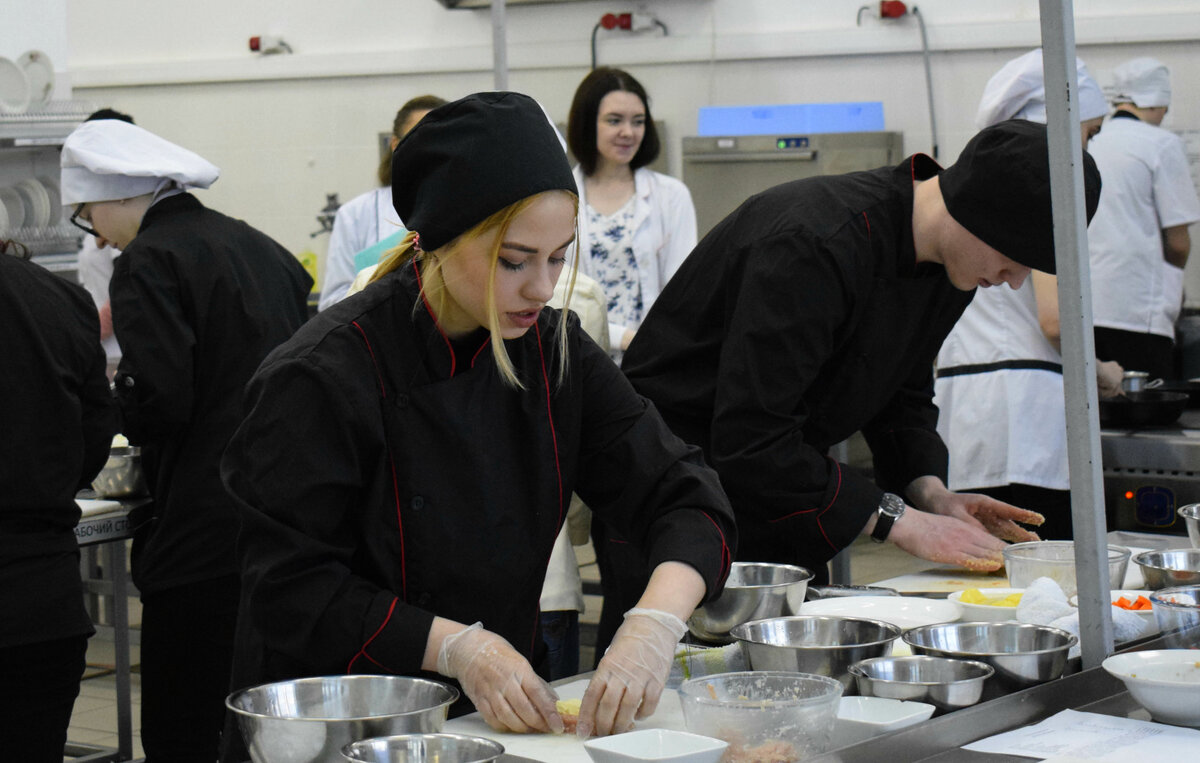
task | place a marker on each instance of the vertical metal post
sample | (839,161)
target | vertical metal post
(115,557)
(499,45)
(1075,317)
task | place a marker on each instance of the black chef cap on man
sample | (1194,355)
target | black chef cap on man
(469,159)
(999,190)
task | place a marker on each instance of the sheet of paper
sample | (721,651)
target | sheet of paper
(1094,737)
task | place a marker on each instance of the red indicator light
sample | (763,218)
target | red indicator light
(1128,495)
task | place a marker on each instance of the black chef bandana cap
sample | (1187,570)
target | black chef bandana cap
(471,158)
(999,190)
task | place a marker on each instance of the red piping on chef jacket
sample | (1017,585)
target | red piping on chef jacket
(362,652)
(820,509)
(391,465)
(557,469)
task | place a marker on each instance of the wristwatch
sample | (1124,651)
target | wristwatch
(891,508)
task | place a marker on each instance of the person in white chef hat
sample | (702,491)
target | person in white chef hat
(1139,241)
(999,381)
(198,300)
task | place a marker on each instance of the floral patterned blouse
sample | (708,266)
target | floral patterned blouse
(615,263)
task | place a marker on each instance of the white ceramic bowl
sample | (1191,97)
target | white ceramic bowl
(662,745)
(903,611)
(988,613)
(861,718)
(1164,681)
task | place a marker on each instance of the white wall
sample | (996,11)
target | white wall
(288,129)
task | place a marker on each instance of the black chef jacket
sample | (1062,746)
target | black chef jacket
(385,476)
(799,320)
(57,419)
(198,300)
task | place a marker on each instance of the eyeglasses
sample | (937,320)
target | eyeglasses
(15,248)
(81,226)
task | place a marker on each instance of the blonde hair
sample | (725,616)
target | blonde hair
(433,286)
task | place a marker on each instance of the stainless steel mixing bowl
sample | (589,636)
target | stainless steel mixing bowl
(424,748)
(1022,654)
(753,591)
(945,683)
(823,645)
(1173,567)
(1190,515)
(310,720)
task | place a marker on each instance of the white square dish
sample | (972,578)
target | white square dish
(861,718)
(658,745)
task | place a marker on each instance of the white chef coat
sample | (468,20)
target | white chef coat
(665,233)
(364,220)
(95,269)
(1003,425)
(1146,188)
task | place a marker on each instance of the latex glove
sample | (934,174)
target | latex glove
(948,540)
(629,680)
(1109,375)
(506,691)
(998,518)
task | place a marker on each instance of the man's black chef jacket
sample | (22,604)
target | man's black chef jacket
(383,479)
(799,320)
(198,300)
(57,419)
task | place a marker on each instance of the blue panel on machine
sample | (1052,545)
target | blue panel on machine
(861,116)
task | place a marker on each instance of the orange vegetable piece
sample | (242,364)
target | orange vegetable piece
(1142,604)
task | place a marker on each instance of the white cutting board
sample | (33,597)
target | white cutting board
(564,748)
(91,508)
(943,580)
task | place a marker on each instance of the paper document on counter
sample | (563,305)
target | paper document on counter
(1090,736)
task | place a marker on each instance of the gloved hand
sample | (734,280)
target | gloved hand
(506,691)
(631,676)
(1109,375)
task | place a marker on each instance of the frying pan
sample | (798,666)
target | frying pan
(1191,387)
(1146,408)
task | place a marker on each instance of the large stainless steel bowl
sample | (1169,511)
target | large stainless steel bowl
(424,748)
(310,720)
(823,645)
(1173,567)
(1022,654)
(753,591)
(1190,515)
(122,475)
(945,683)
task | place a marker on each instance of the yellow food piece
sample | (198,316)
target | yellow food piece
(975,596)
(119,441)
(568,706)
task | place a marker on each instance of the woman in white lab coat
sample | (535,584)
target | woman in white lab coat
(999,379)
(636,226)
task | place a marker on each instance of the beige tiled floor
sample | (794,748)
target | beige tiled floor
(95,718)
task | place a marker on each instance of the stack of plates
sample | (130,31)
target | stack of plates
(14,209)
(37,202)
(56,210)
(14,87)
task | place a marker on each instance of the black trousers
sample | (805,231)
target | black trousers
(1135,351)
(38,686)
(187,654)
(1054,505)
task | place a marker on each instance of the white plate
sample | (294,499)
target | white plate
(1149,623)
(40,74)
(15,207)
(861,718)
(14,87)
(4,231)
(37,201)
(663,745)
(51,186)
(904,611)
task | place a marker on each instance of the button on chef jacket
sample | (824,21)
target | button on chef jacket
(800,319)
(198,299)
(58,419)
(383,479)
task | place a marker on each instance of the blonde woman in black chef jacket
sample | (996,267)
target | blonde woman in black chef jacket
(815,310)
(57,418)
(408,457)
(198,299)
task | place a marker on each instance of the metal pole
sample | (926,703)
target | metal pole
(499,45)
(1075,318)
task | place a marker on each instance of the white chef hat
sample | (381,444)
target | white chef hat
(107,159)
(1144,82)
(1018,91)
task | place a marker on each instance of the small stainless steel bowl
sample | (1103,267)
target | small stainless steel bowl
(1173,567)
(1021,654)
(1190,515)
(122,475)
(312,719)
(424,748)
(753,591)
(945,683)
(823,645)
